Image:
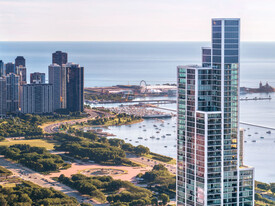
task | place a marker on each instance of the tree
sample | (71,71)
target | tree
(140,150)
(154,201)
(164,198)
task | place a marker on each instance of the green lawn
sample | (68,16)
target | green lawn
(33,142)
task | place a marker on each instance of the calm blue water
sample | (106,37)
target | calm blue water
(111,63)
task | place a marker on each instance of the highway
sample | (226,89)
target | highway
(30,175)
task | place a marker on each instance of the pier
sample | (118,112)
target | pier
(255,125)
(256,98)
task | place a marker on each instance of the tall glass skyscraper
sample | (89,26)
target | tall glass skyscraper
(209,170)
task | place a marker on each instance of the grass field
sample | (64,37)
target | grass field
(33,142)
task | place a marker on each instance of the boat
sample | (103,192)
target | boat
(262,137)
(249,135)
(136,141)
(130,140)
(163,136)
(157,131)
(155,125)
(245,141)
(175,145)
(256,133)
(146,139)
(139,127)
(165,146)
(168,134)
(140,137)
(144,130)
(152,137)
(268,132)
(253,140)
(126,138)
(173,126)
(158,138)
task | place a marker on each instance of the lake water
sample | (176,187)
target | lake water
(112,63)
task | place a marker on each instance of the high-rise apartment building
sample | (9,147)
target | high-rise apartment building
(75,87)
(10,68)
(13,83)
(37,98)
(20,61)
(3,96)
(209,170)
(57,77)
(37,77)
(2,68)
(59,58)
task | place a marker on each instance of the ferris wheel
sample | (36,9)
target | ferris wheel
(143,87)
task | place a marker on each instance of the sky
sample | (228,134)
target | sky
(131,20)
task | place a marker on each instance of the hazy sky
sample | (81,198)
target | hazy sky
(131,20)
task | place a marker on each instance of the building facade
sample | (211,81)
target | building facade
(209,170)
(20,61)
(37,99)
(75,87)
(2,68)
(3,97)
(10,68)
(59,58)
(37,77)
(57,77)
(13,83)
(22,72)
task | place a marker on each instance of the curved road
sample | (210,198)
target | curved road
(52,128)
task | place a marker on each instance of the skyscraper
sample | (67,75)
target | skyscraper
(37,98)
(20,61)
(22,72)
(59,58)
(75,87)
(10,68)
(37,77)
(12,92)
(2,68)
(3,96)
(57,77)
(209,170)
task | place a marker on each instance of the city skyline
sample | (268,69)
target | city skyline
(124,20)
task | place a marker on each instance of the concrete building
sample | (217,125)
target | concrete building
(209,170)
(57,77)
(37,99)
(59,58)
(2,68)
(10,68)
(20,61)
(13,83)
(3,97)
(75,87)
(37,77)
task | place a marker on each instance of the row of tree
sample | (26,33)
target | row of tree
(36,158)
(101,186)
(29,194)
(100,150)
